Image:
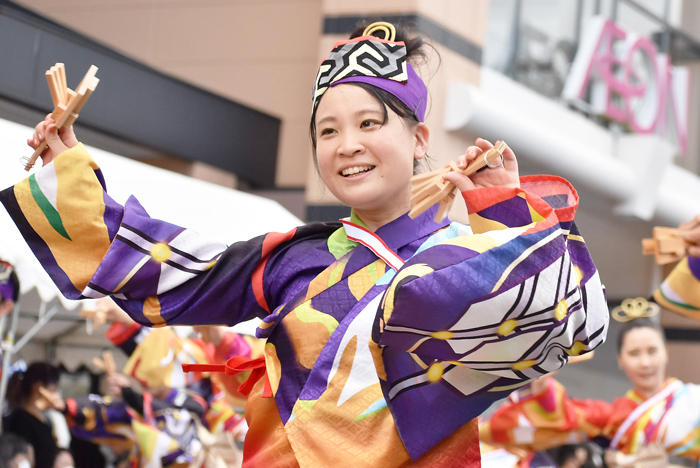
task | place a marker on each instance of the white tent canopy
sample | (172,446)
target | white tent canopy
(216,212)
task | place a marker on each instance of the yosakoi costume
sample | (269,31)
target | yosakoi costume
(102,421)
(680,291)
(632,422)
(157,362)
(382,347)
(151,433)
(193,421)
(9,286)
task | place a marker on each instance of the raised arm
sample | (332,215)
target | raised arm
(158,272)
(515,299)
(543,416)
(484,314)
(680,291)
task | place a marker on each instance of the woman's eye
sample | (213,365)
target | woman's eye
(367,123)
(327,131)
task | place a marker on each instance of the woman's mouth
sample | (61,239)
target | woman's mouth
(356,171)
(647,375)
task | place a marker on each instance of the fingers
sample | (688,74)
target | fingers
(39,133)
(472,153)
(688,225)
(54,399)
(115,391)
(692,236)
(510,163)
(480,146)
(462,182)
(694,251)
(118,380)
(68,137)
(485,145)
(56,143)
(53,140)
(505,175)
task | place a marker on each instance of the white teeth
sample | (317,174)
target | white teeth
(355,170)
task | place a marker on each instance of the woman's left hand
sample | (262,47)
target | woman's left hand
(690,230)
(505,175)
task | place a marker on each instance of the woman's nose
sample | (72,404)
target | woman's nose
(351,144)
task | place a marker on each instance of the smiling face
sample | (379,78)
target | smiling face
(365,163)
(643,358)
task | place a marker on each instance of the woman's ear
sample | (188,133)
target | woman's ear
(422,133)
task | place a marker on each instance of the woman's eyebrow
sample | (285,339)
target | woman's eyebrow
(329,118)
(369,110)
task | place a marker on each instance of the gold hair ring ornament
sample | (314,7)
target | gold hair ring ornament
(631,309)
(430,188)
(387,28)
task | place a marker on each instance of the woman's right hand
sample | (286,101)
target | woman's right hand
(56,143)
(53,399)
(690,230)
(115,383)
(113,313)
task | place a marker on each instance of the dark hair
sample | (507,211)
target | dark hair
(627,327)
(563,453)
(11,445)
(416,52)
(21,384)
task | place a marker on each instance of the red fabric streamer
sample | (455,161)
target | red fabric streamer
(236,365)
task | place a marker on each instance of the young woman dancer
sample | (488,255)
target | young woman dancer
(386,336)
(658,410)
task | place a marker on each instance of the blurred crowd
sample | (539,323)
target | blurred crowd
(151,414)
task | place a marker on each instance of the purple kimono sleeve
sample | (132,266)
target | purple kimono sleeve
(465,322)
(514,301)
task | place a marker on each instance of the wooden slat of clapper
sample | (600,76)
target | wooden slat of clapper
(66,114)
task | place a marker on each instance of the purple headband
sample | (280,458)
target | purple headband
(377,62)
(413,93)
(7,288)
